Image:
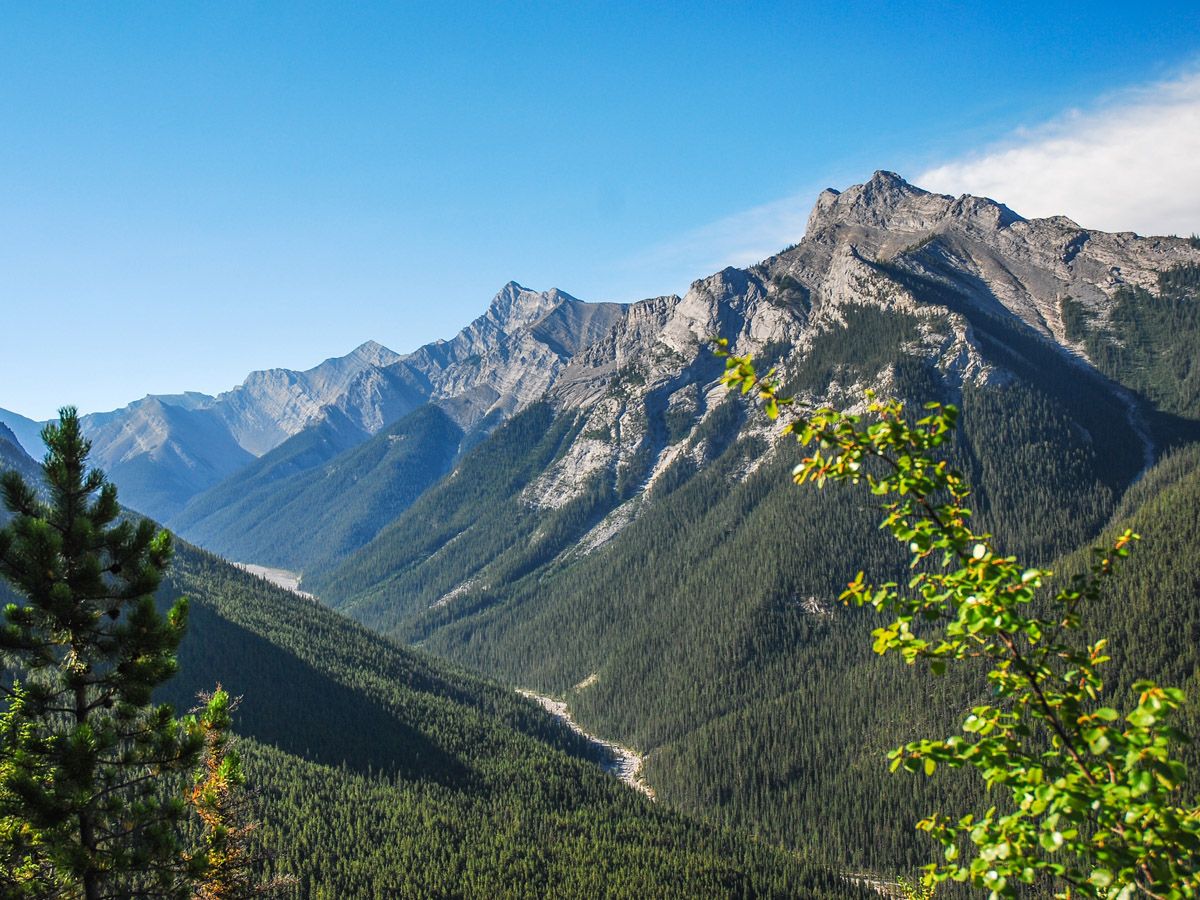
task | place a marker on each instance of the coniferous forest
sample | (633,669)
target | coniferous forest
(682,596)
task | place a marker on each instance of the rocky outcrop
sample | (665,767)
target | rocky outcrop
(511,355)
(989,252)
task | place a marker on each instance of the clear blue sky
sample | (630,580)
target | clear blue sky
(192,191)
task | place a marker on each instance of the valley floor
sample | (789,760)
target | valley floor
(289,581)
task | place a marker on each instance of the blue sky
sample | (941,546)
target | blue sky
(192,191)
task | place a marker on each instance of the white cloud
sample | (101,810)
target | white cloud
(1130,163)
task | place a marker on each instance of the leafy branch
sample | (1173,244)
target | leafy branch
(1093,796)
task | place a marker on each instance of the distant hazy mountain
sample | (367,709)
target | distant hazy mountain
(499,364)
(159,454)
(165,450)
(13,456)
(272,405)
(27,432)
(324,492)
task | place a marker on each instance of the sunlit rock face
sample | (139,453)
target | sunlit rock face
(627,369)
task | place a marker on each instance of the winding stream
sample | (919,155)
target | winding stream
(618,761)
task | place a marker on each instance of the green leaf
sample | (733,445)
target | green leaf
(1141,718)
(1101,878)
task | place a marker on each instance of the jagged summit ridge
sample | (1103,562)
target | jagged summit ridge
(511,355)
(529,344)
(515,307)
(372,353)
(997,258)
(888,201)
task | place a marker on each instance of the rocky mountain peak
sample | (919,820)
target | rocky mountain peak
(889,202)
(373,354)
(889,185)
(886,201)
(516,307)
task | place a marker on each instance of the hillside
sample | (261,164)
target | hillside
(384,773)
(632,544)
(381,772)
(566,501)
(25,431)
(13,455)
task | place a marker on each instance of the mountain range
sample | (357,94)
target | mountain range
(562,498)
(863,249)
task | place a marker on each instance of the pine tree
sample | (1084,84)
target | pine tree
(89,804)
(228,863)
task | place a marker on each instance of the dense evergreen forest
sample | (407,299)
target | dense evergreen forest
(709,623)
(1151,343)
(382,773)
(705,632)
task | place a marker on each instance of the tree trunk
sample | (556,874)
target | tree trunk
(87,834)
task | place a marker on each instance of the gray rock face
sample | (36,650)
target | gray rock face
(512,354)
(623,365)
(886,272)
(1026,265)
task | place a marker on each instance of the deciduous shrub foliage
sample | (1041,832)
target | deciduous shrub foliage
(1087,798)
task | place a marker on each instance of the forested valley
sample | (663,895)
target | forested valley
(569,502)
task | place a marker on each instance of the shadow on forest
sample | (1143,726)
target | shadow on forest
(304,712)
